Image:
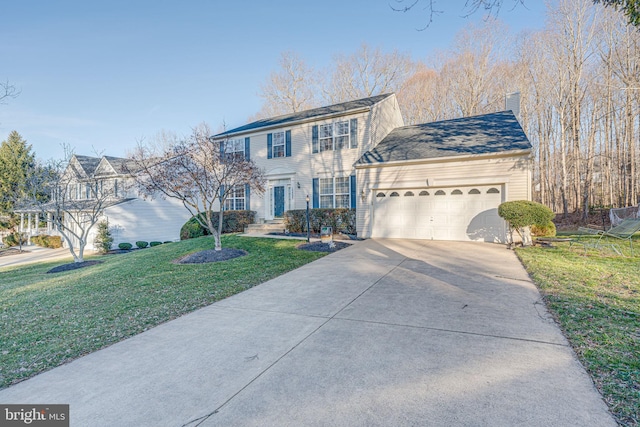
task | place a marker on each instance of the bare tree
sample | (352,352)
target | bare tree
(7,90)
(290,89)
(366,73)
(491,7)
(76,202)
(200,171)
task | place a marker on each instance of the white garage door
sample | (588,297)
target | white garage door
(463,213)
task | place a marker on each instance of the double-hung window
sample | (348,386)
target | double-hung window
(235,200)
(234,148)
(326,137)
(335,136)
(334,192)
(278,144)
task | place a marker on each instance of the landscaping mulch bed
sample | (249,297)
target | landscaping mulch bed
(73,266)
(323,247)
(210,255)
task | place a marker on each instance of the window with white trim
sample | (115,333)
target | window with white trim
(235,199)
(234,148)
(326,137)
(278,144)
(334,192)
(341,135)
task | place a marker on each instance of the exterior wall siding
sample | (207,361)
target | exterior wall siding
(148,220)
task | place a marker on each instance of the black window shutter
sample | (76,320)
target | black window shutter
(222,144)
(269,145)
(352,185)
(353,128)
(247,146)
(314,139)
(316,193)
(247,197)
(287,143)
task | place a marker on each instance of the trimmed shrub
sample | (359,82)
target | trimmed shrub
(232,222)
(152,244)
(142,244)
(521,214)
(546,230)
(167,241)
(14,239)
(46,241)
(125,246)
(342,220)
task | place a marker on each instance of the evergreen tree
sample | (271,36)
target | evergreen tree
(17,164)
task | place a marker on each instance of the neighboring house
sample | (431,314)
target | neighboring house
(130,217)
(441,181)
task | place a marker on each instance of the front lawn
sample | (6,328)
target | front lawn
(49,319)
(596,300)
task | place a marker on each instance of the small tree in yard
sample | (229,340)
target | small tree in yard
(199,170)
(103,240)
(521,215)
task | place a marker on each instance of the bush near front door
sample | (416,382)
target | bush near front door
(232,222)
(342,220)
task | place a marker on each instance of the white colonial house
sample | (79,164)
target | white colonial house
(441,181)
(131,218)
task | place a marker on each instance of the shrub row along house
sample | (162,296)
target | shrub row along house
(441,180)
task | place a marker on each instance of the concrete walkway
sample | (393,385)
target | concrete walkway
(32,254)
(384,333)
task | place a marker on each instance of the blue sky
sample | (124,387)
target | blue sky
(100,76)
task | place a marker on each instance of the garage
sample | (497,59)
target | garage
(454,213)
(444,180)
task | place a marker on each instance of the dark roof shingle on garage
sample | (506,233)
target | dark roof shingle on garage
(485,134)
(307,114)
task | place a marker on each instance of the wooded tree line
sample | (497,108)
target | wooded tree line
(579,80)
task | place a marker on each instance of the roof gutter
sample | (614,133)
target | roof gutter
(447,159)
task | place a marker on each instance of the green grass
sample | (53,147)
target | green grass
(49,319)
(596,300)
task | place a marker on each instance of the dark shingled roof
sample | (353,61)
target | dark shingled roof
(89,164)
(308,114)
(485,134)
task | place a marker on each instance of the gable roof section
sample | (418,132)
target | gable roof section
(288,119)
(486,134)
(87,163)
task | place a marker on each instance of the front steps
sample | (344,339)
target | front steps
(271,226)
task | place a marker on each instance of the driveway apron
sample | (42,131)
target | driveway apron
(386,332)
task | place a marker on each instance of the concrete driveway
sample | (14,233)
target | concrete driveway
(33,254)
(387,332)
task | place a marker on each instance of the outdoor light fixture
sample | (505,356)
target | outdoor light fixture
(298,186)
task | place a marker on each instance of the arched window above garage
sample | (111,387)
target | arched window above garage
(423,193)
(394,194)
(440,193)
(474,191)
(456,192)
(493,190)
(409,194)
(381,194)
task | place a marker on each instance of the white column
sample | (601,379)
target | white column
(21,222)
(29,229)
(49,219)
